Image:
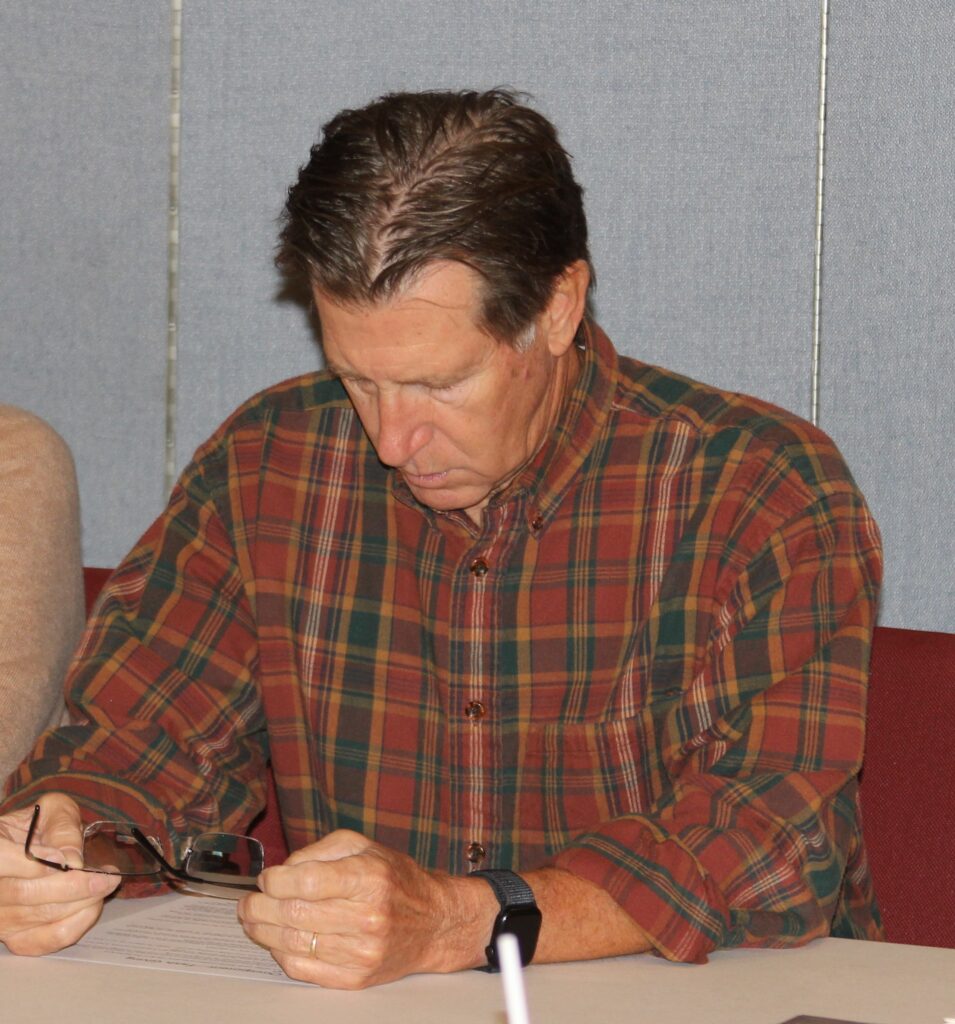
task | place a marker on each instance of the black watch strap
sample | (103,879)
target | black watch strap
(509,888)
(519,915)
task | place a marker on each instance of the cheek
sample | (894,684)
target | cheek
(467,433)
(521,375)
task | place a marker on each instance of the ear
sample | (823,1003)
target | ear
(561,317)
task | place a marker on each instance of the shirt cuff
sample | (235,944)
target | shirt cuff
(658,882)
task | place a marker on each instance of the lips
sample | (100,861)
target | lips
(425,479)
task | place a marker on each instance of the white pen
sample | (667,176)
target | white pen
(512,978)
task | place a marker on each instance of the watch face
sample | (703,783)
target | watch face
(524,923)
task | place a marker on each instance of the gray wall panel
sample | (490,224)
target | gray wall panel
(888,392)
(84,165)
(692,126)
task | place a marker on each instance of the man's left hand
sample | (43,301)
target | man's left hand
(346,912)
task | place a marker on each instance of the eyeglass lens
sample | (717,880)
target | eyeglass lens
(220,857)
(110,847)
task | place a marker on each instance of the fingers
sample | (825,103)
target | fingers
(49,937)
(342,865)
(54,888)
(334,846)
(331,948)
(316,880)
(324,918)
(326,897)
(342,961)
(347,912)
(42,915)
(325,921)
(326,974)
(43,909)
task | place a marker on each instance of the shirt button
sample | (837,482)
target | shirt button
(537,523)
(476,853)
(475,710)
(478,567)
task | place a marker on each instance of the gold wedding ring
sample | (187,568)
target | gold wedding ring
(312,945)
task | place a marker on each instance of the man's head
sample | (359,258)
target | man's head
(454,410)
(416,179)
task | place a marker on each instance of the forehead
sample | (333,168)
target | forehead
(434,320)
(444,284)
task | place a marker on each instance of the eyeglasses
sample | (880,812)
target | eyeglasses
(214,864)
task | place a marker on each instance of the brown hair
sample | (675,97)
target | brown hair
(412,178)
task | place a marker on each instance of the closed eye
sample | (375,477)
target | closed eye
(364,386)
(361,384)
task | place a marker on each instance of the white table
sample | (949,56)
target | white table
(869,982)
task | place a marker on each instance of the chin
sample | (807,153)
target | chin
(447,501)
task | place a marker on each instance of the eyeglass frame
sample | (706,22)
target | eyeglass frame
(154,849)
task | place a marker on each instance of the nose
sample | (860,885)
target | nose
(402,428)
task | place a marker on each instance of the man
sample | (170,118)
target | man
(490,597)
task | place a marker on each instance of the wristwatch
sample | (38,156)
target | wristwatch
(519,914)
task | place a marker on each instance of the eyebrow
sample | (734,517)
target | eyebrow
(337,371)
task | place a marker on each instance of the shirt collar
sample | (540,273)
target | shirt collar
(548,475)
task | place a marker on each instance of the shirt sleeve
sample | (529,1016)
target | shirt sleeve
(167,726)
(756,838)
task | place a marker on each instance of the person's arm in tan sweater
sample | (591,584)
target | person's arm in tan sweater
(41,582)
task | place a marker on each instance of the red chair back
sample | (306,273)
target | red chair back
(908,784)
(267,827)
(93,581)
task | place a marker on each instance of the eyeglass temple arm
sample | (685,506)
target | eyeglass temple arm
(28,842)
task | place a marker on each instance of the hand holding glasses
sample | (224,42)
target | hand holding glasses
(215,863)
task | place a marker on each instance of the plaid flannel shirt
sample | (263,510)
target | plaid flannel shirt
(647,666)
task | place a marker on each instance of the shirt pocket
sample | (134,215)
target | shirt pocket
(577,776)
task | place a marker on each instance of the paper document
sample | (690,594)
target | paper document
(193,934)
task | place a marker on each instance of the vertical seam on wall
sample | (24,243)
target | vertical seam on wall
(172,265)
(814,386)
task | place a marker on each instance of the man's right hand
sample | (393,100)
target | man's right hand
(42,909)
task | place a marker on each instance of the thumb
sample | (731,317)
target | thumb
(60,827)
